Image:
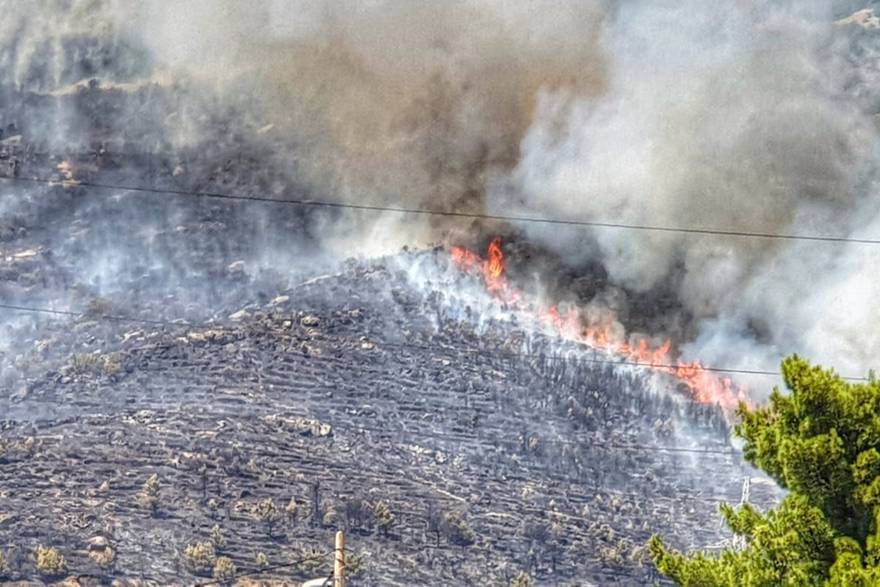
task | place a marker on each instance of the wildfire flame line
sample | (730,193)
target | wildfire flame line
(703,386)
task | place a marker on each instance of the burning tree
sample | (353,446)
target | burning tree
(822,443)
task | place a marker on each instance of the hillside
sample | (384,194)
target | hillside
(341,392)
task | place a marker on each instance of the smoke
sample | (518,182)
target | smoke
(731,115)
(737,116)
(386,102)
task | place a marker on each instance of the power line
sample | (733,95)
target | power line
(664,367)
(109,318)
(619,362)
(453,214)
(558,441)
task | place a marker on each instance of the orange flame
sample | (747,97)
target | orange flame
(492,270)
(703,385)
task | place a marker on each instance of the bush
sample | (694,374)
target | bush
(101,553)
(104,558)
(384,517)
(261,560)
(200,558)
(217,538)
(292,510)
(523,579)
(457,530)
(50,563)
(149,495)
(330,516)
(311,559)
(266,512)
(4,566)
(96,364)
(224,570)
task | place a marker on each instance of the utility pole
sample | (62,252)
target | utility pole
(339,561)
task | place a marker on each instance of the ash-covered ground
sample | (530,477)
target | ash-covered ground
(559,467)
(455,447)
(277,396)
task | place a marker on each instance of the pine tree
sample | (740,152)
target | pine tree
(821,442)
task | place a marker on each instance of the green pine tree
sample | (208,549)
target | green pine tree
(821,442)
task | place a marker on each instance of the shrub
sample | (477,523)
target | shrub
(217,538)
(4,566)
(224,570)
(261,560)
(104,557)
(149,495)
(457,530)
(312,559)
(355,565)
(330,516)
(49,561)
(96,364)
(384,517)
(522,579)
(200,558)
(266,512)
(292,510)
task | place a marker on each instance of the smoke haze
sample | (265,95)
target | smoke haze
(731,115)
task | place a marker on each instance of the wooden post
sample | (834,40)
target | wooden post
(339,561)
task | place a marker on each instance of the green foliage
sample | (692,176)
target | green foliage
(822,443)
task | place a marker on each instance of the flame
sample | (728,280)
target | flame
(603,332)
(492,270)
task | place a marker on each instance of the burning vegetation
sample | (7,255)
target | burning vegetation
(603,334)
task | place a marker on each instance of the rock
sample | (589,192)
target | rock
(197,337)
(864,18)
(236,268)
(309,321)
(240,316)
(280,300)
(98,542)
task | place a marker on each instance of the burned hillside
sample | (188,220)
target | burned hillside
(543,462)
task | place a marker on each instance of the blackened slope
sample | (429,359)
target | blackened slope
(364,388)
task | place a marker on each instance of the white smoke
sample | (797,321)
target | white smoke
(737,116)
(731,115)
